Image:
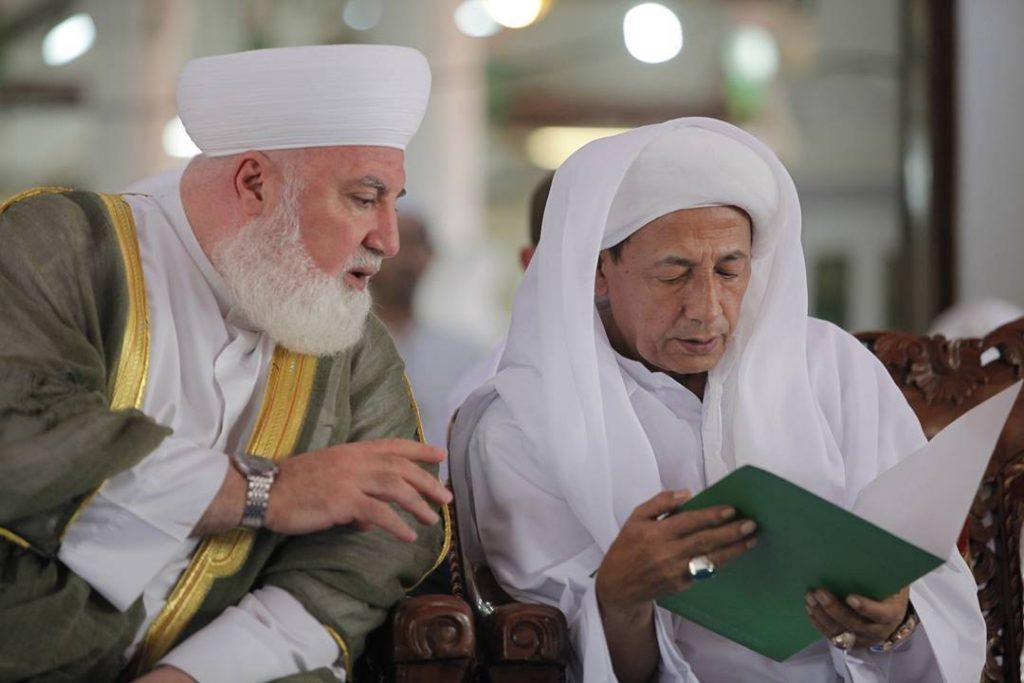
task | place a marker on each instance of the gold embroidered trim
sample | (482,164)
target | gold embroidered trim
(14,538)
(415,409)
(345,656)
(285,402)
(32,193)
(446,517)
(133,363)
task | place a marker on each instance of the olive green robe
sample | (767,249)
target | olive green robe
(66,300)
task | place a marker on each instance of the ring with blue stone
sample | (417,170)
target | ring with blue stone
(701,568)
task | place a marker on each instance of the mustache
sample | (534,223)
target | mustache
(362,259)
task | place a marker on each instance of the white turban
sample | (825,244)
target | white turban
(311,96)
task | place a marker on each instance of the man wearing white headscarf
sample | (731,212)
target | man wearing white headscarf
(163,353)
(659,341)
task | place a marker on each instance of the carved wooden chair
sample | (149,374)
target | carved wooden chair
(518,642)
(429,637)
(942,379)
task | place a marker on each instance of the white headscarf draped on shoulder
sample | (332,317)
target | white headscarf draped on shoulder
(559,372)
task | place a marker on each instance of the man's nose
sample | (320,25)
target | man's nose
(702,303)
(383,238)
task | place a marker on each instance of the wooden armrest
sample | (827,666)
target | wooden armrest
(520,632)
(432,627)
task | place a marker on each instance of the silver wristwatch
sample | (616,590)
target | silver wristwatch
(259,473)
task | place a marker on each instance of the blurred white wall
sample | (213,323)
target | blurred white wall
(990,215)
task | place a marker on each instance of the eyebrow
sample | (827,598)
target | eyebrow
(376,183)
(735,255)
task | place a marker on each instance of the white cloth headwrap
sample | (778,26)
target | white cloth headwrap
(759,406)
(311,96)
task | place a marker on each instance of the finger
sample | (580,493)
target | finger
(392,489)
(842,614)
(379,514)
(884,612)
(825,629)
(406,448)
(822,619)
(424,482)
(661,504)
(692,522)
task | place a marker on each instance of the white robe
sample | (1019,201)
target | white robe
(568,446)
(207,371)
(541,553)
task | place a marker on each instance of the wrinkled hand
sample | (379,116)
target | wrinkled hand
(872,622)
(166,674)
(353,484)
(650,556)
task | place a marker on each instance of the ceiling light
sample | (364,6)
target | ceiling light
(472,19)
(69,40)
(362,15)
(176,141)
(515,13)
(548,147)
(752,54)
(652,33)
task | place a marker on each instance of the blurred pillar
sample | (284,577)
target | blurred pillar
(445,164)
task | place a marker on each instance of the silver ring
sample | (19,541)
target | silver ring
(845,640)
(701,568)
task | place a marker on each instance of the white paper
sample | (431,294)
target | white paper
(924,499)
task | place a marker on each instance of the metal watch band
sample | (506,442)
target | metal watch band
(259,474)
(257,497)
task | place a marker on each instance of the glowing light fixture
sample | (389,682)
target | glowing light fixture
(69,40)
(472,19)
(548,147)
(176,141)
(752,54)
(652,33)
(362,15)
(515,13)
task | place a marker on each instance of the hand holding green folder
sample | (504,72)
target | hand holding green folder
(806,542)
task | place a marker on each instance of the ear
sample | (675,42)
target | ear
(253,175)
(600,279)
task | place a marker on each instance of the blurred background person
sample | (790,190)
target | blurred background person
(435,357)
(485,368)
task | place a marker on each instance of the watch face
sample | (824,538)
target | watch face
(251,464)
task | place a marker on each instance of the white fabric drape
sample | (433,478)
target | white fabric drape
(821,413)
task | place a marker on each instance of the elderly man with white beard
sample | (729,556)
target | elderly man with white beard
(163,353)
(659,341)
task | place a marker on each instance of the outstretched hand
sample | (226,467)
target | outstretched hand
(354,484)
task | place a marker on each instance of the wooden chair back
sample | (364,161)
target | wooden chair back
(943,378)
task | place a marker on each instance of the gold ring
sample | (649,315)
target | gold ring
(845,640)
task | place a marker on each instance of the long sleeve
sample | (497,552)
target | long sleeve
(141,517)
(268,636)
(62,310)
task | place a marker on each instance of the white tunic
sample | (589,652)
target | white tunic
(207,370)
(523,523)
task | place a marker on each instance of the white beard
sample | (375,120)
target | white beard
(277,287)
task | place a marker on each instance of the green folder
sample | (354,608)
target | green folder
(804,542)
